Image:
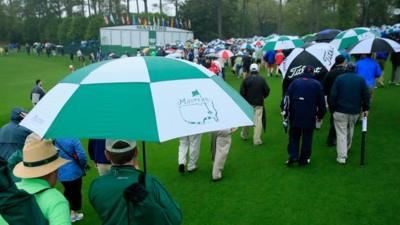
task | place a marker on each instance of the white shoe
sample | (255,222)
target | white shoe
(341,160)
(76,217)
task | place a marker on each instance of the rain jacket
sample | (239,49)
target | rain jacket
(305,102)
(106,194)
(349,94)
(254,89)
(38,90)
(72,170)
(12,135)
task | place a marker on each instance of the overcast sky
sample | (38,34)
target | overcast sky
(169,9)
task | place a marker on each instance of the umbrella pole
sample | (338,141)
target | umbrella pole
(362,159)
(144,156)
(363,134)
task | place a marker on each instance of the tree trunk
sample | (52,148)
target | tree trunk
(83,7)
(145,7)
(244,13)
(128,7)
(59,10)
(137,6)
(316,15)
(279,27)
(161,5)
(176,7)
(365,9)
(110,6)
(88,5)
(219,17)
(94,4)
(68,8)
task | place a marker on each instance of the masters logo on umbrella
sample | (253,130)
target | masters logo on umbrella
(197,109)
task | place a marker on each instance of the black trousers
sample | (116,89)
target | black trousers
(73,193)
(331,140)
(306,135)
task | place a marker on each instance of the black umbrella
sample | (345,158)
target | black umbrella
(326,35)
(371,45)
(321,56)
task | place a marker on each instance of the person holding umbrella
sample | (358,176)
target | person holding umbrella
(304,105)
(349,94)
(337,70)
(128,196)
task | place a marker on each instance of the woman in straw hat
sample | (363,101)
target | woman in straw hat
(38,171)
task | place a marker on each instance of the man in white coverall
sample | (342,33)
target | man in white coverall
(192,143)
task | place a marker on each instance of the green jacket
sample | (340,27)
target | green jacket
(106,196)
(52,203)
(349,94)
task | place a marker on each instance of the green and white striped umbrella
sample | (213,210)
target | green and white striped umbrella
(282,42)
(142,98)
(309,37)
(350,37)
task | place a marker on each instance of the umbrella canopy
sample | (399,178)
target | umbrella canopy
(139,98)
(225,54)
(395,29)
(258,44)
(270,37)
(209,51)
(308,38)
(246,46)
(321,56)
(282,42)
(170,50)
(372,45)
(176,55)
(348,38)
(326,35)
(212,55)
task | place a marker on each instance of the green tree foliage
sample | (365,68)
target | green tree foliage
(347,14)
(62,30)
(64,21)
(77,28)
(203,18)
(93,27)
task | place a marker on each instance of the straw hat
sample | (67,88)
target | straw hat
(40,158)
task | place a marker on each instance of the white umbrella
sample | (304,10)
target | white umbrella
(375,45)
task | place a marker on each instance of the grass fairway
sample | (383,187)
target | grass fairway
(257,188)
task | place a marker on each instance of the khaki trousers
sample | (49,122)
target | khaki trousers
(192,143)
(344,125)
(223,144)
(257,119)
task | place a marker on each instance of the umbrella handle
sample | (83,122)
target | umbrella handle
(144,156)
(364,124)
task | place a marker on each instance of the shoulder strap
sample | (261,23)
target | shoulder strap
(41,191)
(71,156)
